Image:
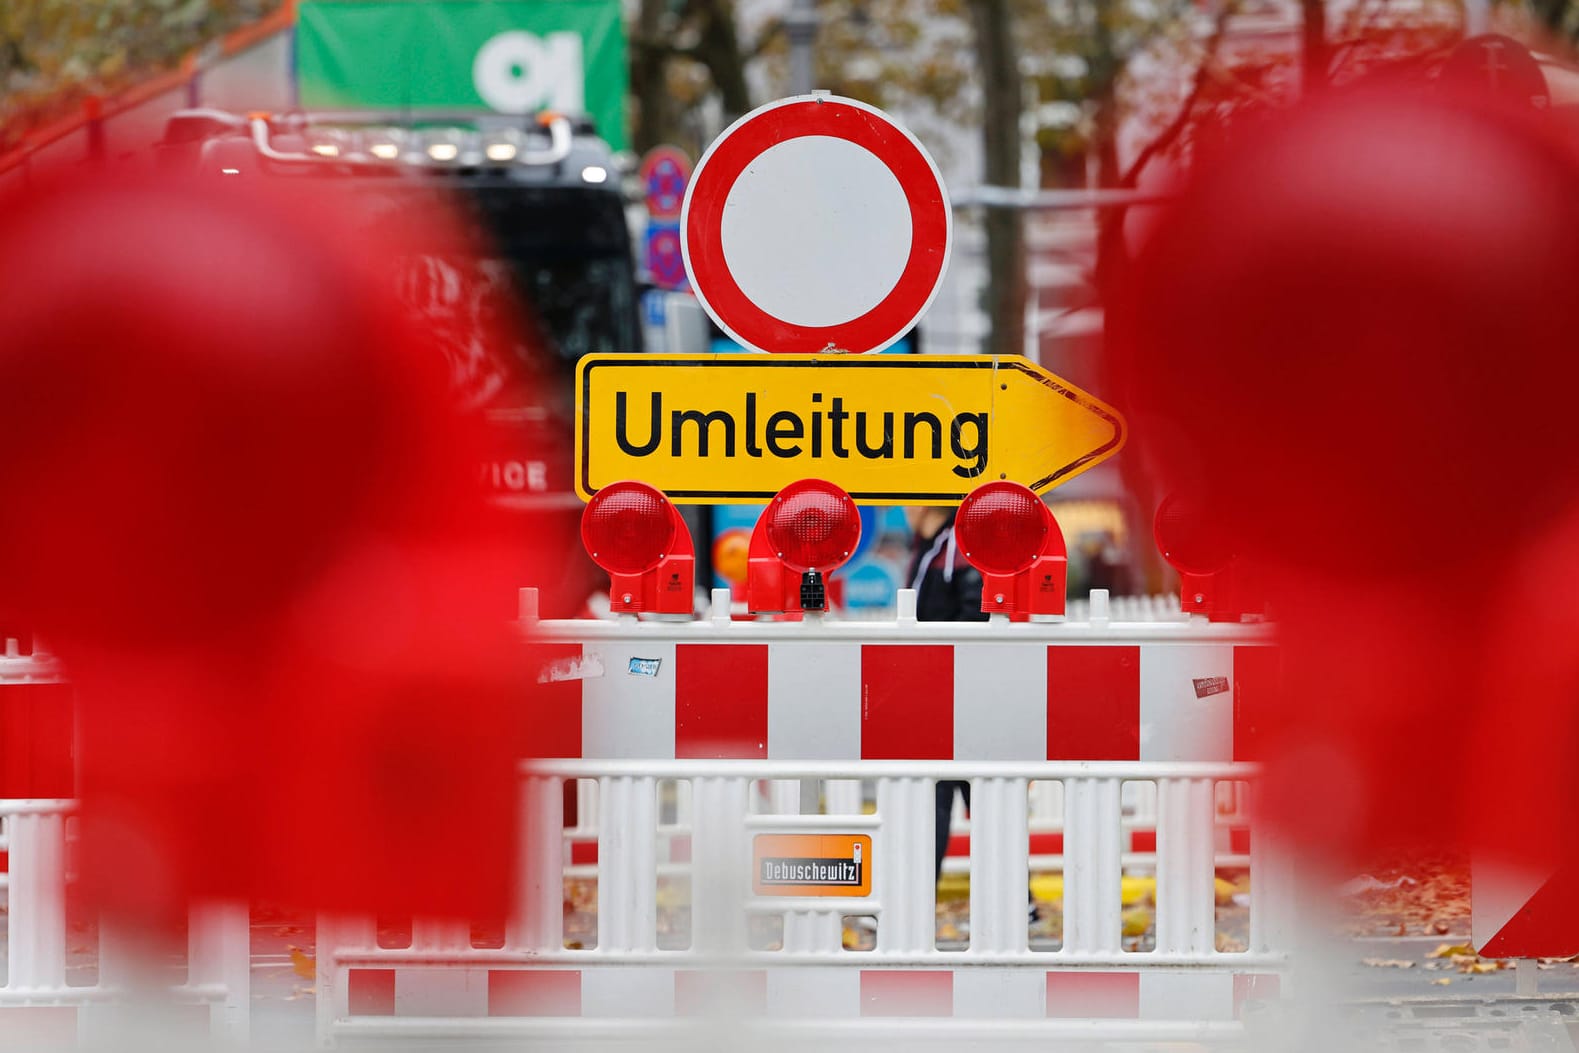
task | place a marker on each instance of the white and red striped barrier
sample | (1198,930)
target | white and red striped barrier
(40,1006)
(719,706)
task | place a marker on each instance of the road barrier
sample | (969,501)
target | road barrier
(711,711)
(1138,837)
(40,1004)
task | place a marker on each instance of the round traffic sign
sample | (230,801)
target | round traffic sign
(664,172)
(815,224)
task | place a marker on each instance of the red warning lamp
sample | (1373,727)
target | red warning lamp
(809,529)
(1212,580)
(632,531)
(1010,535)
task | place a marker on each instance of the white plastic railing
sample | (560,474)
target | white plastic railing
(848,796)
(218,960)
(727,811)
(36,835)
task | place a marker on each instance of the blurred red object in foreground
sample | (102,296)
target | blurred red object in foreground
(241,507)
(1352,337)
(204,393)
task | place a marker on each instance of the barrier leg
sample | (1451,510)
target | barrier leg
(538,922)
(1272,880)
(36,956)
(1092,866)
(904,863)
(219,954)
(999,865)
(337,934)
(719,865)
(1186,867)
(627,864)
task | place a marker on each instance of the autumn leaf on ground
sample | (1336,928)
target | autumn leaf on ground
(1442,982)
(1387,963)
(1474,965)
(302,964)
(1451,950)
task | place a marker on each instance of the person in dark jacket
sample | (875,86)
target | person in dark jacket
(948,589)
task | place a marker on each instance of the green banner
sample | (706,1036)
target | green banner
(513,56)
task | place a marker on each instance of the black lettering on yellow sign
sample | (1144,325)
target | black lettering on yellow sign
(727,433)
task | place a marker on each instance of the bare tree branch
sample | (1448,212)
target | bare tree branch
(770,32)
(1181,120)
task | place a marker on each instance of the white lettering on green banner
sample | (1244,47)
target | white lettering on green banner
(512,56)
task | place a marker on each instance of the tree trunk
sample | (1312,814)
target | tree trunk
(649,79)
(719,50)
(998,61)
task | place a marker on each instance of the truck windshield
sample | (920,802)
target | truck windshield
(549,265)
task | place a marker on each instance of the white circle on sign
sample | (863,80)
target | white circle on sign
(816,231)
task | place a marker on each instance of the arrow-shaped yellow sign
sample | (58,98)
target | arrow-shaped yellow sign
(890,429)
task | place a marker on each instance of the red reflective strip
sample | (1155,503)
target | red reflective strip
(721,700)
(907,702)
(1257,685)
(902,992)
(1043,844)
(534,992)
(1239,840)
(1047,844)
(701,992)
(371,992)
(38,1027)
(1546,926)
(15,764)
(36,741)
(1143,840)
(583,852)
(1097,995)
(552,714)
(52,729)
(1093,703)
(1256,986)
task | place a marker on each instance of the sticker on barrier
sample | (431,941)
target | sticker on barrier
(812,864)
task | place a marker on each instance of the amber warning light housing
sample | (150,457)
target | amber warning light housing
(1005,531)
(810,529)
(632,531)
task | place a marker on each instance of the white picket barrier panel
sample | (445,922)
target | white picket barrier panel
(39,1007)
(1139,805)
(753,723)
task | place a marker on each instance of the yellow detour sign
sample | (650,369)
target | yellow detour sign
(892,429)
(811,865)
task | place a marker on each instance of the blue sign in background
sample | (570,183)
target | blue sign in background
(661,251)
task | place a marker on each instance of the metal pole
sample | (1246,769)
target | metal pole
(801,26)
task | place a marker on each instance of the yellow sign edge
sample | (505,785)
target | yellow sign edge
(1036,373)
